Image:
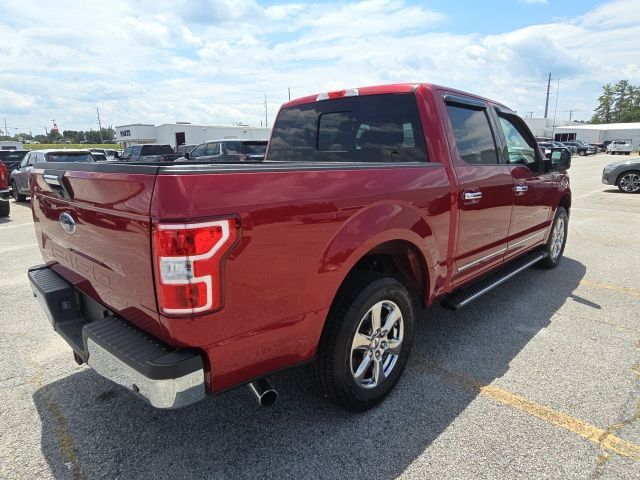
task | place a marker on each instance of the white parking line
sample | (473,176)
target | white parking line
(13,248)
(16,225)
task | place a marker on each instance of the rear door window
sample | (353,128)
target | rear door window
(473,135)
(371,128)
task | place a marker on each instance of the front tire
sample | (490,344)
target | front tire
(629,182)
(557,239)
(366,343)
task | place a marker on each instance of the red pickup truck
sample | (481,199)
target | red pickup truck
(371,204)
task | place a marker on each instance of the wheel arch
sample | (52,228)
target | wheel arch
(392,238)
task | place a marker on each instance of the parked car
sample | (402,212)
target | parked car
(620,147)
(149,153)
(600,147)
(572,149)
(182,149)
(106,153)
(20,186)
(371,205)
(12,158)
(624,174)
(227,151)
(5,193)
(549,146)
(99,157)
(582,148)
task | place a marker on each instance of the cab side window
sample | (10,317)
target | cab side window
(473,135)
(199,151)
(521,149)
(25,161)
(213,149)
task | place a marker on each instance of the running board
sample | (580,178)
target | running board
(462,297)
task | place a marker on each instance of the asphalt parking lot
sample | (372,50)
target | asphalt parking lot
(538,379)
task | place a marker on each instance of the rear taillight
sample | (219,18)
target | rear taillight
(188,262)
(4,177)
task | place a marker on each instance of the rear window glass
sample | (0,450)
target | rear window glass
(372,128)
(69,157)
(156,150)
(254,148)
(233,148)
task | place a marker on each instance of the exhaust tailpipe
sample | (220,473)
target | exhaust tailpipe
(264,392)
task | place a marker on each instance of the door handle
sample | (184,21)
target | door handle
(520,189)
(472,195)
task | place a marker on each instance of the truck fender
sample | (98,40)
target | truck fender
(372,226)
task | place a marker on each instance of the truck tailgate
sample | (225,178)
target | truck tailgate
(94,229)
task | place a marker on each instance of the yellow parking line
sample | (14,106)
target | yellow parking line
(628,290)
(594,434)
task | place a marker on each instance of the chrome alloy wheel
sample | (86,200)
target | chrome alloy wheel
(557,238)
(376,344)
(630,182)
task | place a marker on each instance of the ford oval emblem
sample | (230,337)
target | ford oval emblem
(67,223)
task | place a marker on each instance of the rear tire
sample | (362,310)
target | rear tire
(366,343)
(18,197)
(5,208)
(557,239)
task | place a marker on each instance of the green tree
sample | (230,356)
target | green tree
(618,103)
(604,111)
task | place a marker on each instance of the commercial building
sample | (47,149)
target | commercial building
(600,133)
(10,145)
(544,127)
(176,134)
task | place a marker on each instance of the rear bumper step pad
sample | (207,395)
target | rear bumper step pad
(166,377)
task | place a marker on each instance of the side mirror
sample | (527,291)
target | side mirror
(560,160)
(186,155)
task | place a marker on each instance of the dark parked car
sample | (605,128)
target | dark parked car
(228,151)
(20,177)
(547,147)
(149,153)
(12,158)
(582,148)
(624,174)
(4,191)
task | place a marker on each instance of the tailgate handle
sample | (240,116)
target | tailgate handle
(57,183)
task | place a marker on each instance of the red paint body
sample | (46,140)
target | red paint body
(301,231)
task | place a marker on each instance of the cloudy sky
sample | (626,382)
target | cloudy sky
(212,61)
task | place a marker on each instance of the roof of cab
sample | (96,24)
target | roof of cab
(61,150)
(394,88)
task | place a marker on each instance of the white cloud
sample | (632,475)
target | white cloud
(156,62)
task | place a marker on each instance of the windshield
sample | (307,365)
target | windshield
(254,148)
(69,157)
